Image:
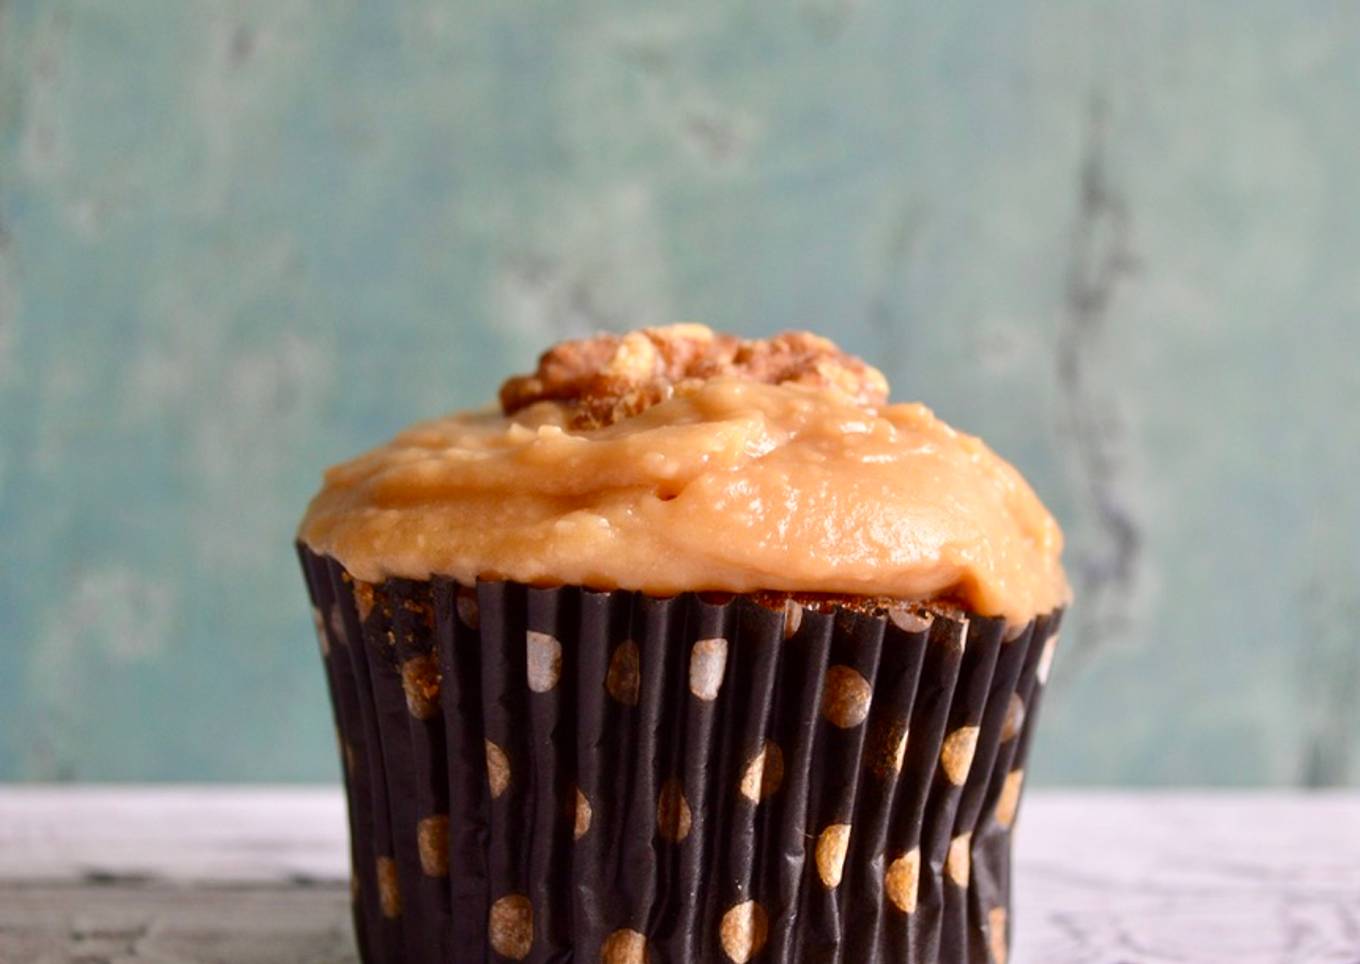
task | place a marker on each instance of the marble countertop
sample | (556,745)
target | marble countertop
(236,874)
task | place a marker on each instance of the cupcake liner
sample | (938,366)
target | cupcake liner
(565,774)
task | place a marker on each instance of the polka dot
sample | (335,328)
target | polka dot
(764,773)
(832,844)
(1015,718)
(432,839)
(338,625)
(510,927)
(543,655)
(845,701)
(319,622)
(363,599)
(1008,801)
(1046,659)
(707,664)
(469,613)
(793,618)
(956,756)
(581,816)
(899,753)
(958,861)
(996,934)
(903,880)
(888,748)
(624,679)
(744,931)
(673,816)
(908,620)
(389,890)
(497,769)
(420,680)
(625,947)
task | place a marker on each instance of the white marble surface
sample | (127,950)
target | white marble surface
(187,874)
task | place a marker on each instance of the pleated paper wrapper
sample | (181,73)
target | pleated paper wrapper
(564,774)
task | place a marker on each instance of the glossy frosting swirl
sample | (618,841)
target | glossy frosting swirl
(779,469)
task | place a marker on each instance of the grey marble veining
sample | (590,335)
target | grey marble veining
(233,874)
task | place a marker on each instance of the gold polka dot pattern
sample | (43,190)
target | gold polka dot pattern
(956,756)
(845,698)
(887,749)
(389,889)
(543,660)
(764,773)
(788,730)
(624,680)
(625,947)
(465,605)
(581,816)
(959,861)
(1015,718)
(510,927)
(497,769)
(432,841)
(707,666)
(909,620)
(1046,659)
(996,935)
(832,844)
(1009,799)
(673,816)
(745,928)
(903,880)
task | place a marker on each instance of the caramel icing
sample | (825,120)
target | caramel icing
(676,459)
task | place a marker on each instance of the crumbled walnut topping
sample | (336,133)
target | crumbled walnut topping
(610,377)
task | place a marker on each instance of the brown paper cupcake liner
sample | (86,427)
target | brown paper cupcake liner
(565,774)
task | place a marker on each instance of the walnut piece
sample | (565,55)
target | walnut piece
(610,377)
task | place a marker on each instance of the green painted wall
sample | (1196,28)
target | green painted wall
(241,241)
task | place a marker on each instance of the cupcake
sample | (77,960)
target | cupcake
(694,649)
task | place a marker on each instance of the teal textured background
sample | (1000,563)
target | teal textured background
(241,241)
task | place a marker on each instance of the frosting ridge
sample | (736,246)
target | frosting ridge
(709,464)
